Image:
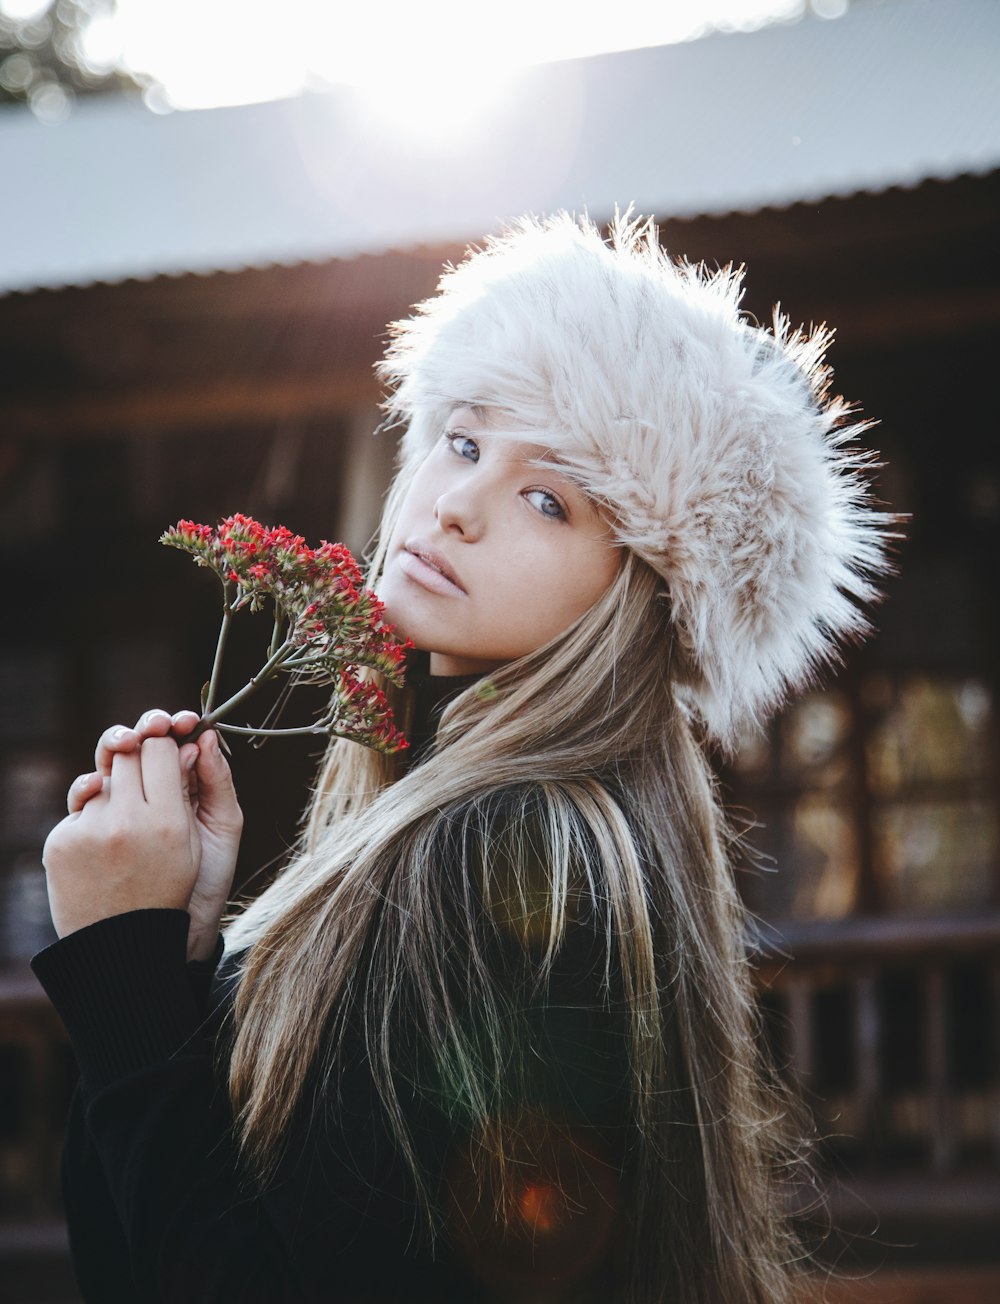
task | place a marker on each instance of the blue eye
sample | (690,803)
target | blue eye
(462,445)
(548,504)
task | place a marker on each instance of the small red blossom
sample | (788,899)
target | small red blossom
(332,624)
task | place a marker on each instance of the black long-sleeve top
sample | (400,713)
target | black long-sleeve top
(159,1209)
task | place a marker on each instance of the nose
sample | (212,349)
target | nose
(459,511)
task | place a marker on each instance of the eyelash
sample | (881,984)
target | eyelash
(451,437)
(559,514)
(455,437)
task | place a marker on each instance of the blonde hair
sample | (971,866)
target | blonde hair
(614,806)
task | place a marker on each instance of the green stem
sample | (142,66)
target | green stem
(209,718)
(279,622)
(341,654)
(220,647)
(298,662)
(271,733)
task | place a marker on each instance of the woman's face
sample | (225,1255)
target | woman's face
(491,556)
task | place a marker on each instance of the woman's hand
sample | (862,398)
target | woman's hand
(157,824)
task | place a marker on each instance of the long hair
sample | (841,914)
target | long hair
(585,740)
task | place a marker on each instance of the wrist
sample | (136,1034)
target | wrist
(202,945)
(71,917)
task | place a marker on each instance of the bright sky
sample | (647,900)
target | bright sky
(421,62)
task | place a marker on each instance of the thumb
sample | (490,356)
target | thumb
(216,791)
(213,768)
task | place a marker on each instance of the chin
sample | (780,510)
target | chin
(400,614)
(387,590)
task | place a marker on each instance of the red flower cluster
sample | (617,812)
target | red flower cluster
(362,713)
(334,623)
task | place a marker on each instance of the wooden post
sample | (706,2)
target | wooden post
(368,466)
(994,1093)
(799,996)
(939,1110)
(868,1072)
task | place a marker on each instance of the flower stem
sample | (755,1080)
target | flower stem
(279,623)
(220,647)
(322,659)
(271,733)
(209,717)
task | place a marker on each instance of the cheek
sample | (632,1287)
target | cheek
(414,512)
(415,507)
(587,582)
(557,588)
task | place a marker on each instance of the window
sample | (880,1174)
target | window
(878,795)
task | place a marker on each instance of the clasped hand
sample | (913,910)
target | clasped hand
(157,824)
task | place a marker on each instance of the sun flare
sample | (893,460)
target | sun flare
(427,69)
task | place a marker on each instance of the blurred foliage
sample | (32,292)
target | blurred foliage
(43,58)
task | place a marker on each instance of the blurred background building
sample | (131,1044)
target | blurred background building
(190,307)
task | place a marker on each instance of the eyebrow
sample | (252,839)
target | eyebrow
(478,410)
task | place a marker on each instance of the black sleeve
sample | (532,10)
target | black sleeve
(158,1121)
(97,1241)
(98,1247)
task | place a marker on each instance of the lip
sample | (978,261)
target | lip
(427,567)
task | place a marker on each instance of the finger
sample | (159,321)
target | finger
(217,801)
(154,723)
(183,722)
(125,786)
(164,781)
(212,769)
(118,738)
(82,789)
(188,754)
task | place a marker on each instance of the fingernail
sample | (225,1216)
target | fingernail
(117,735)
(84,779)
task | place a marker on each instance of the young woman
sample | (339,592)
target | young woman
(489,1035)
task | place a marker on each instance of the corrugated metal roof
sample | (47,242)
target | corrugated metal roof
(889,94)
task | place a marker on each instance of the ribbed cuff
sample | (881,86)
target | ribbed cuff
(201,972)
(121,987)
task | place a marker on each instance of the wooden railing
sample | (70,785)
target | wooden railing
(892,1028)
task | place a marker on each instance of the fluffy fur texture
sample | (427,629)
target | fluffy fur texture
(709,439)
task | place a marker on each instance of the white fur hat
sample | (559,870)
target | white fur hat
(710,439)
